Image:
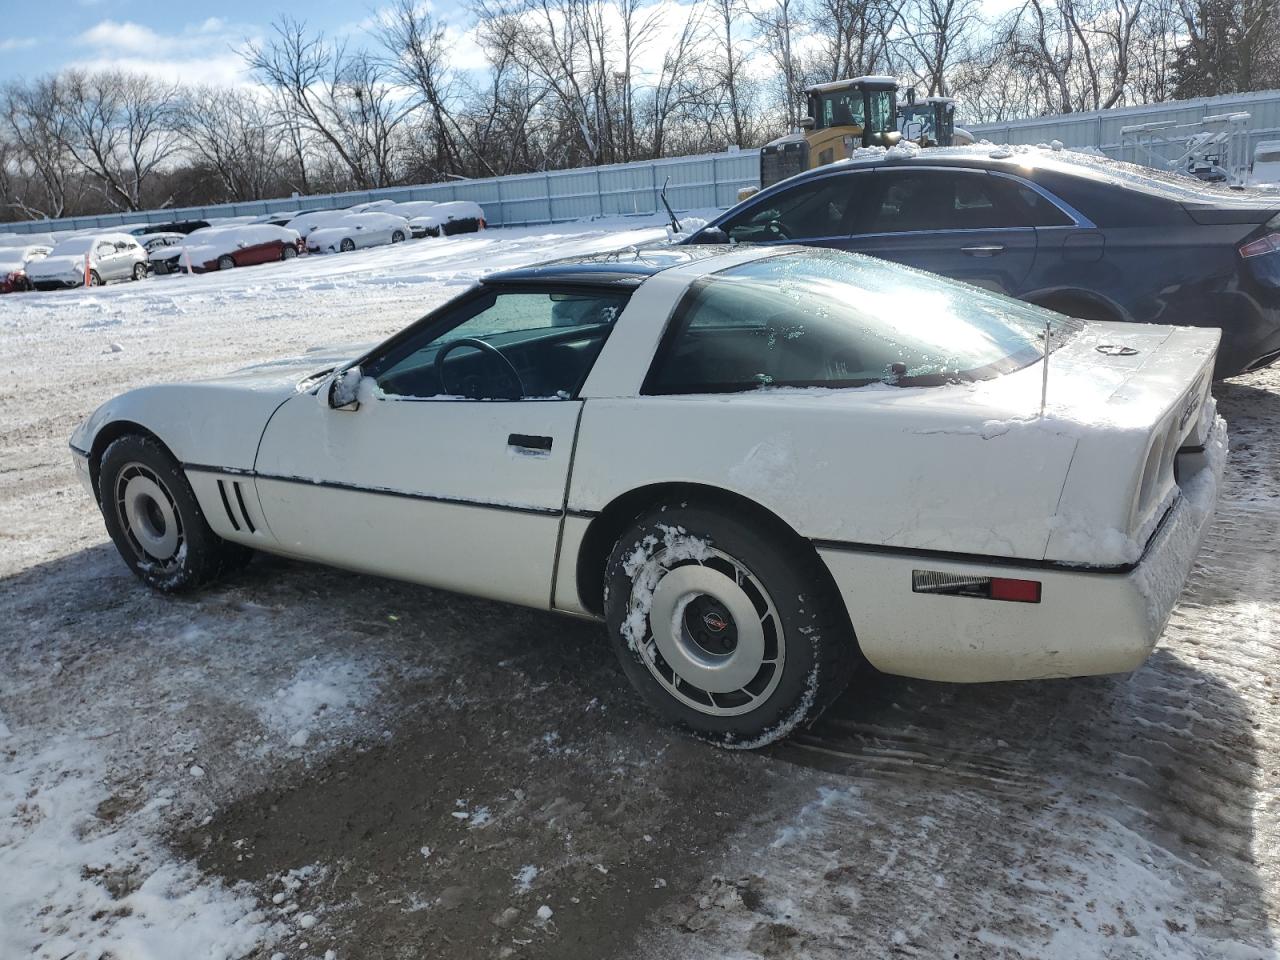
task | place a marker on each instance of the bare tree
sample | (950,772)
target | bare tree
(234,132)
(121,129)
(777,24)
(932,34)
(343,98)
(38,127)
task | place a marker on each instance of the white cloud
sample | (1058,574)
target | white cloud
(206,52)
(17,43)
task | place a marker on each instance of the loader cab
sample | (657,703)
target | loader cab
(930,122)
(842,116)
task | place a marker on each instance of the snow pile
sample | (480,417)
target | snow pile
(688,227)
(77,878)
(325,697)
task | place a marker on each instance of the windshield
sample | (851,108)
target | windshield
(881,112)
(829,319)
(841,109)
(75,245)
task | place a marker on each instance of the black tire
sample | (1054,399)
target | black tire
(139,271)
(287,252)
(95,279)
(347,245)
(226,262)
(777,573)
(198,556)
(397,236)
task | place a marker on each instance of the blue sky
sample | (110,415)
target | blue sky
(173,38)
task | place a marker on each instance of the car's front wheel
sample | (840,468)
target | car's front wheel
(727,627)
(226,263)
(288,252)
(95,280)
(347,245)
(397,236)
(139,271)
(155,521)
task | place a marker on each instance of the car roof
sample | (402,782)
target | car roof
(629,266)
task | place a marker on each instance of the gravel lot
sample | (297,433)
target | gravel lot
(301,760)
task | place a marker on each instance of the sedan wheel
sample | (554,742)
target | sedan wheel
(287,252)
(139,271)
(729,629)
(226,263)
(94,279)
(347,245)
(155,521)
(397,237)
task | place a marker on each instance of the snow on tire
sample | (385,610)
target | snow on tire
(726,627)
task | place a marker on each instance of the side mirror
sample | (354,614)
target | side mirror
(710,235)
(344,389)
(806,123)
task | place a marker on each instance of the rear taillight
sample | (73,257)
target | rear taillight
(979,588)
(1261,247)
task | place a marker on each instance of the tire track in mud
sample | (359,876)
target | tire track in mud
(1125,816)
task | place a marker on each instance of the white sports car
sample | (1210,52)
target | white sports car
(756,465)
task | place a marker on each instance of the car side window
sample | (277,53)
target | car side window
(535,344)
(735,337)
(917,200)
(812,209)
(106,250)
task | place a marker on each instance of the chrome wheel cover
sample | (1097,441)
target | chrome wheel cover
(713,639)
(149,517)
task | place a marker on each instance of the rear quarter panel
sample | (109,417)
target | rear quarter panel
(902,468)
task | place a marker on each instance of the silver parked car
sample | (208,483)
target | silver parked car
(111,256)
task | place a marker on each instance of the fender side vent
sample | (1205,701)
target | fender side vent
(244,511)
(226,505)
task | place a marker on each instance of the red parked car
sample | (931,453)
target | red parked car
(13,266)
(223,248)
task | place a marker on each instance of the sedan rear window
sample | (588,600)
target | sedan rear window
(831,319)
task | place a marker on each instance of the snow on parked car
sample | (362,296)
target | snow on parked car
(446,219)
(111,256)
(13,265)
(151,242)
(223,248)
(358,230)
(746,561)
(411,209)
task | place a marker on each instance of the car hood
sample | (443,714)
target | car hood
(216,422)
(56,266)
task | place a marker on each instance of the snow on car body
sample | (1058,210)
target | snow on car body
(358,230)
(226,247)
(750,462)
(414,211)
(13,265)
(111,256)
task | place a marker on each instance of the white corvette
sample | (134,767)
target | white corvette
(755,465)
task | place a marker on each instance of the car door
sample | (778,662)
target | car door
(965,224)
(818,211)
(104,260)
(452,470)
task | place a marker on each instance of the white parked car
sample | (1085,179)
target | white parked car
(358,230)
(1266,165)
(753,464)
(411,210)
(14,262)
(151,242)
(112,256)
(456,216)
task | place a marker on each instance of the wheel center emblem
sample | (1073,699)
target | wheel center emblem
(714,622)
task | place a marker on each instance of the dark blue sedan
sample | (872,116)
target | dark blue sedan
(1083,235)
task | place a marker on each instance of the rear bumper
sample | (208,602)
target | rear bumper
(1087,622)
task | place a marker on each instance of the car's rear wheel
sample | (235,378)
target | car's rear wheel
(155,521)
(94,279)
(226,263)
(726,627)
(397,236)
(288,252)
(347,245)
(139,271)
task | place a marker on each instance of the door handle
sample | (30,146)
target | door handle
(985,250)
(526,441)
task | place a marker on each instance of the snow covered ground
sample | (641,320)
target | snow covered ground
(302,762)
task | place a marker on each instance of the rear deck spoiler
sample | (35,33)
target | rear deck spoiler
(1246,210)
